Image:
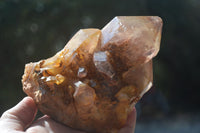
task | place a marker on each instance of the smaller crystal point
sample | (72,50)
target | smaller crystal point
(101,61)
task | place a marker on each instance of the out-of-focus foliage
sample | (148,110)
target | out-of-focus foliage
(31,30)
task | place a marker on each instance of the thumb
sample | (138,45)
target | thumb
(130,124)
(20,116)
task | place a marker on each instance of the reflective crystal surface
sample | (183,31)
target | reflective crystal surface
(93,83)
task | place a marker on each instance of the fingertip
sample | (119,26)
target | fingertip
(134,112)
(132,116)
(129,127)
(134,109)
(28,108)
(22,114)
(28,101)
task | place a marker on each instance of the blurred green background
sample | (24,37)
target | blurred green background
(31,30)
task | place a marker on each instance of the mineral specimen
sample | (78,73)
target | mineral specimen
(94,82)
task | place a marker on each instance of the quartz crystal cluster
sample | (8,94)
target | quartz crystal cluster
(93,83)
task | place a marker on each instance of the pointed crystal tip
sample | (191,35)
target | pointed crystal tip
(136,38)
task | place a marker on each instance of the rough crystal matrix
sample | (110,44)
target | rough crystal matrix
(94,82)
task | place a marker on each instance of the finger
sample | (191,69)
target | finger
(20,116)
(130,124)
(47,125)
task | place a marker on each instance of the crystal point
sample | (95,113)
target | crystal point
(136,38)
(93,83)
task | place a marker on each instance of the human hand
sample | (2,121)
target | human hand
(19,119)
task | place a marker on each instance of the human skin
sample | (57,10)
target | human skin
(20,119)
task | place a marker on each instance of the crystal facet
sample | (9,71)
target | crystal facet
(93,83)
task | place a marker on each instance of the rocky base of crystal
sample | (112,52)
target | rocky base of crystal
(94,82)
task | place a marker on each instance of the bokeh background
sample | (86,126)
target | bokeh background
(31,30)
